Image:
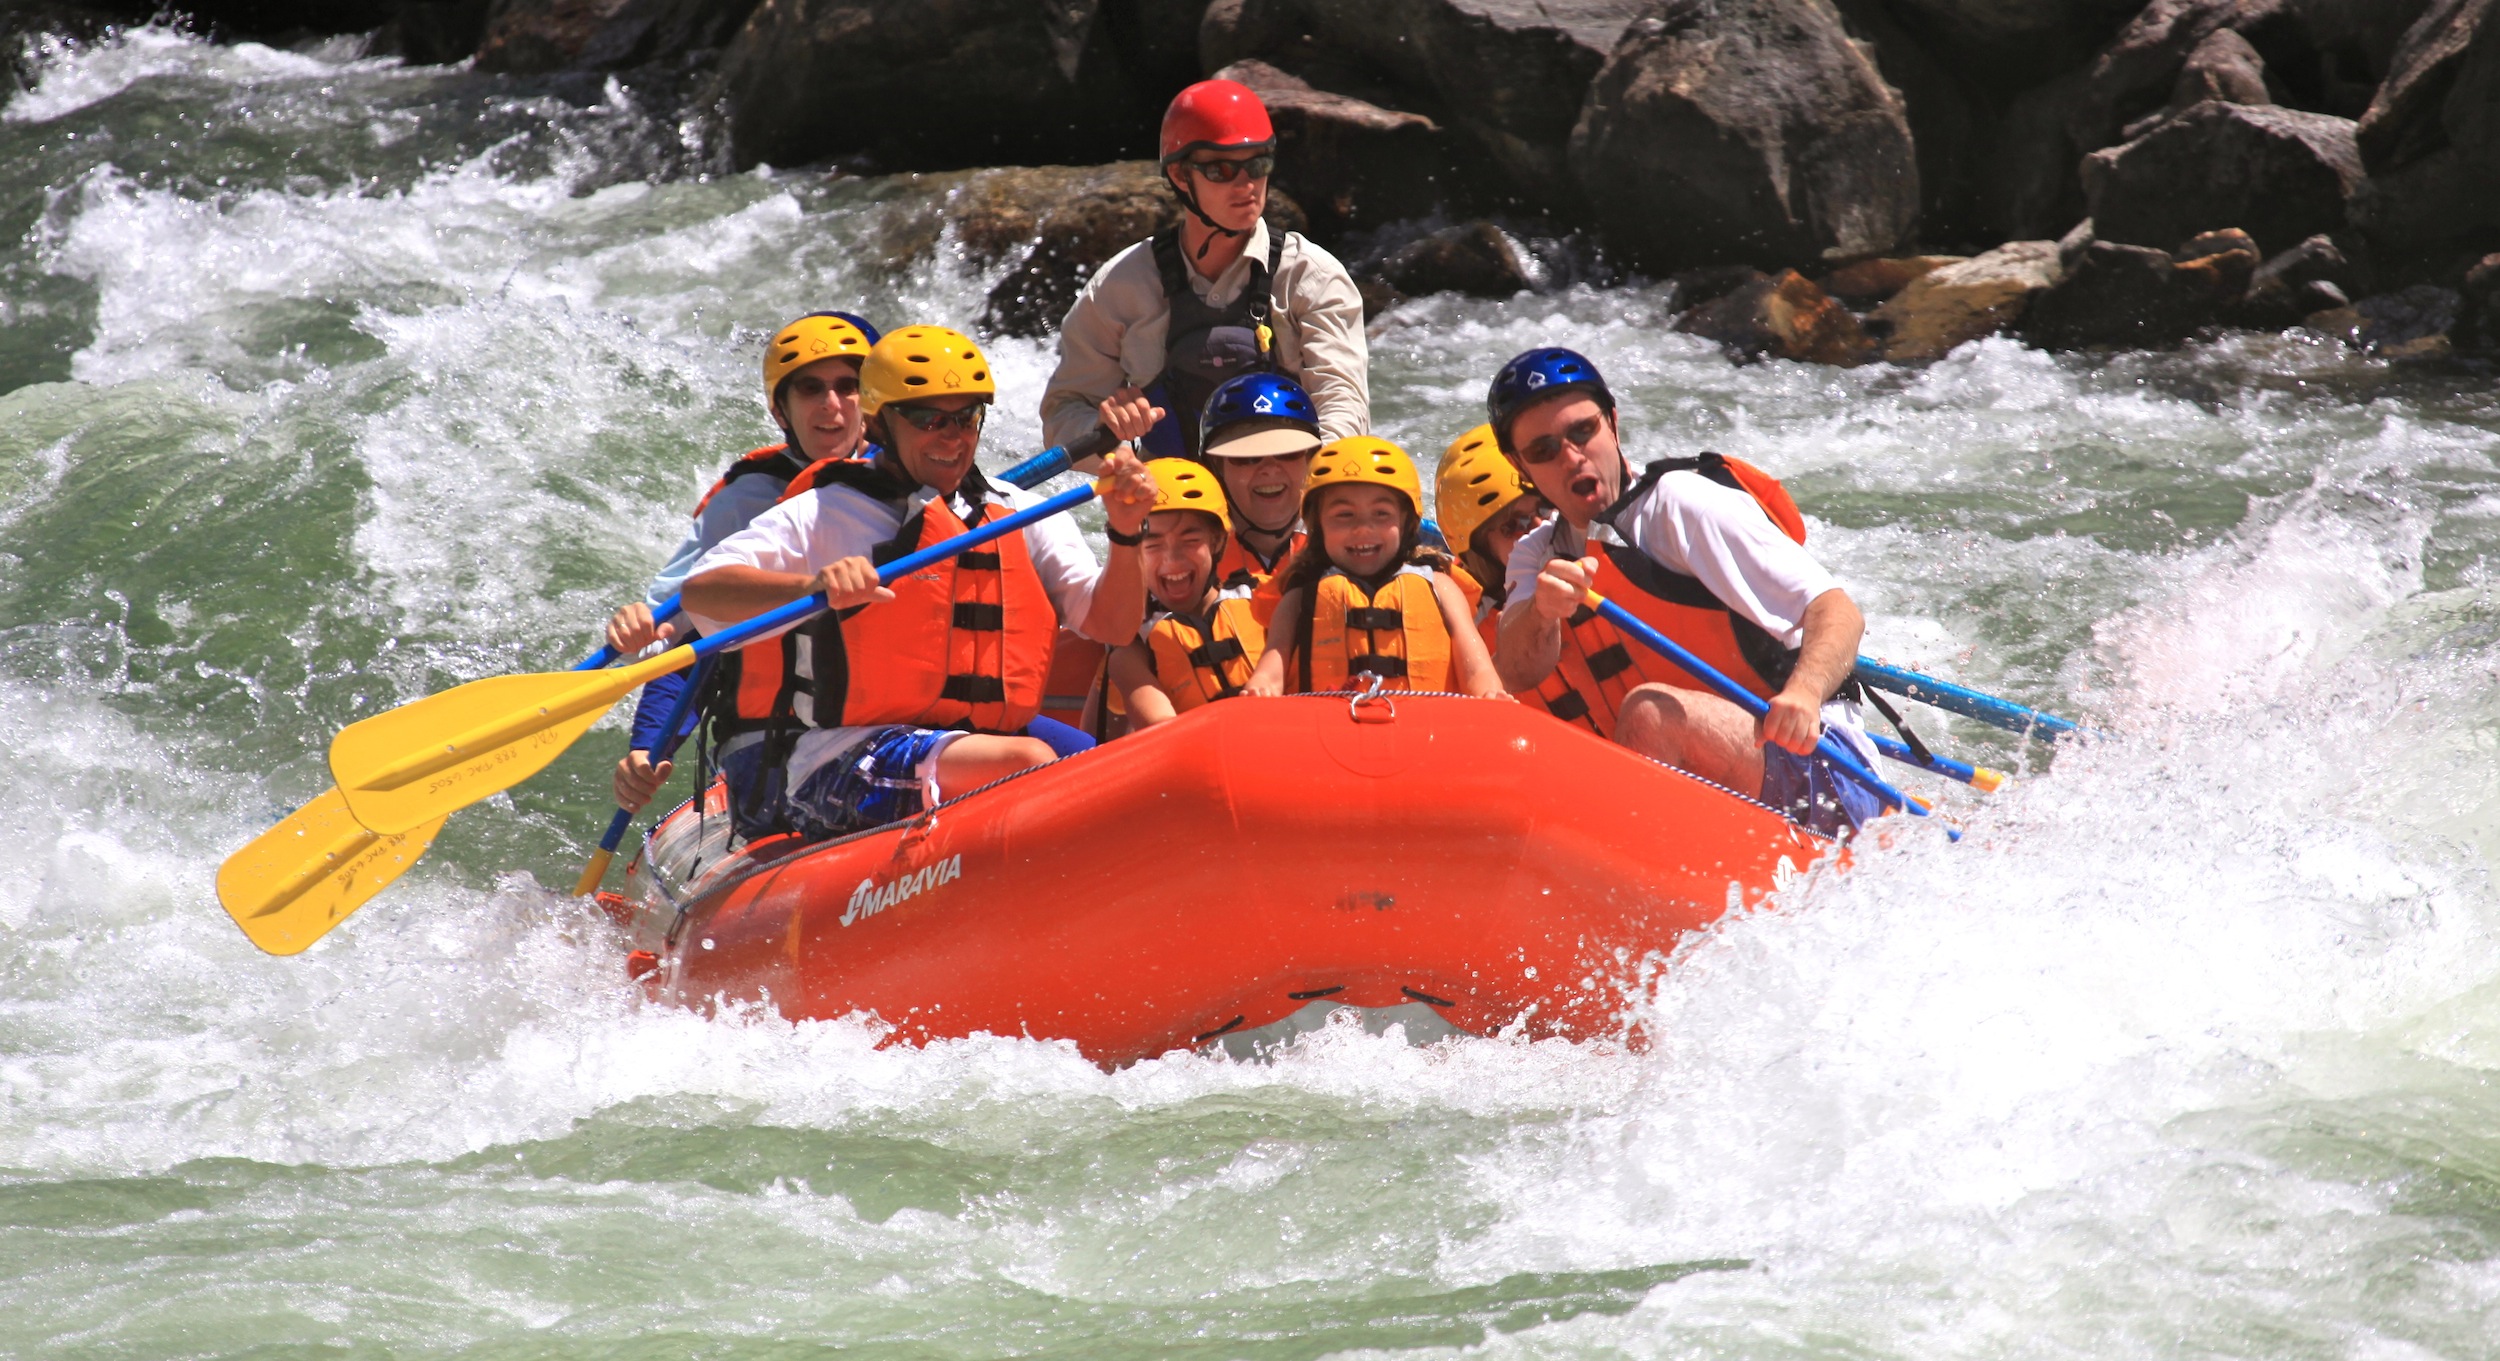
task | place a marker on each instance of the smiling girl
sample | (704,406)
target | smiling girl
(1200,640)
(1366,597)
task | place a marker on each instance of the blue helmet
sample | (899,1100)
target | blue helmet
(857,320)
(1532,377)
(1256,397)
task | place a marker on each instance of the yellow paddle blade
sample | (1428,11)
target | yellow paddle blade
(300,878)
(444,752)
(593,873)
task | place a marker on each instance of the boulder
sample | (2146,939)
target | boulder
(1864,283)
(2280,174)
(1353,164)
(1475,258)
(2481,324)
(1694,287)
(908,85)
(1509,74)
(1747,130)
(435,32)
(2321,56)
(2134,296)
(2314,276)
(2428,138)
(1058,224)
(1964,300)
(561,35)
(1782,318)
(2014,43)
(1948,117)
(2410,324)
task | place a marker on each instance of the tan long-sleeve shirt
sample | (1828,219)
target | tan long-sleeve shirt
(1114,335)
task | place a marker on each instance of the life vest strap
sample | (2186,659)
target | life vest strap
(977,561)
(1570,706)
(965,689)
(1374,619)
(1391,668)
(1610,661)
(1215,652)
(983,617)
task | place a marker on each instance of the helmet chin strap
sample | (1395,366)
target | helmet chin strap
(1214,228)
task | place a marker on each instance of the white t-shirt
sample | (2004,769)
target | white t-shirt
(1717,534)
(808,533)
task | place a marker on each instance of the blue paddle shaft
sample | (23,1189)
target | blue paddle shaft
(1051,462)
(667,611)
(1941,765)
(1961,700)
(1747,700)
(740,635)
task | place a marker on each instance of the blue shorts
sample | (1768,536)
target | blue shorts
(1813,792)
(873,783)
(876,782)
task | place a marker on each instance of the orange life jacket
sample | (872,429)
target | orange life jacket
(965,643)
(1396,633)
(1203,658)
(1599,666)
(776,461)
(1239,572)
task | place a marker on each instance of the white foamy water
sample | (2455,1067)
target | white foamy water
(2183,1050)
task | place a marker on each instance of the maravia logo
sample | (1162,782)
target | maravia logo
(870,898)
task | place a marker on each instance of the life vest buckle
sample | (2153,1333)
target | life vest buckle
(1371,706)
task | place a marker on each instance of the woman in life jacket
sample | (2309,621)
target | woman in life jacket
(811,388)
(1364,599)
(1166,322)
(1485,510)
(1261,433)
(1199,644)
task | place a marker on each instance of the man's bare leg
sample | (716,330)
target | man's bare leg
(1693,731)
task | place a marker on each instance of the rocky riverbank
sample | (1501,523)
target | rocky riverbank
(1841,181)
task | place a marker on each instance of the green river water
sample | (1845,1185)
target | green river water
(326,383)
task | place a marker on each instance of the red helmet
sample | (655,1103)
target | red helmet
(1219,115)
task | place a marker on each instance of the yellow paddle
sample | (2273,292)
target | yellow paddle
(420,761)
(300,878)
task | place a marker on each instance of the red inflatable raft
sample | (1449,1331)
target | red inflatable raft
(1222,871)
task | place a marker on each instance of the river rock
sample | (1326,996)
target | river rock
(1058,224)
(1864,283)
(2429,138)
(1475,258)
(2314,276)
(908,86)
(1351,163)
(2279,174)
(1949,116)
(2413,323)
(1962,301)
(2135,296)
(2013,43)
(1782,318)
(2481,323)
(1509,74)
(1747,130)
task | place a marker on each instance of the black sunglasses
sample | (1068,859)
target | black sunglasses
(1546,448)
(928,418)
(1225,172)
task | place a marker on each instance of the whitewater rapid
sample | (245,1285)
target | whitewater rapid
(331,383)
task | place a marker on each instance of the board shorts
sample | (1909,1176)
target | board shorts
(885,776)
(1814,793)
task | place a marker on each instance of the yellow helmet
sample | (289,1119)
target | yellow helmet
(920,362)
(1365,459)
(818,335)
(1185,484)
(1474,484)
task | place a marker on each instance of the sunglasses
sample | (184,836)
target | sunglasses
(814,389)
(1547,448)
(1225,172)
(926,419)
(1517,523)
